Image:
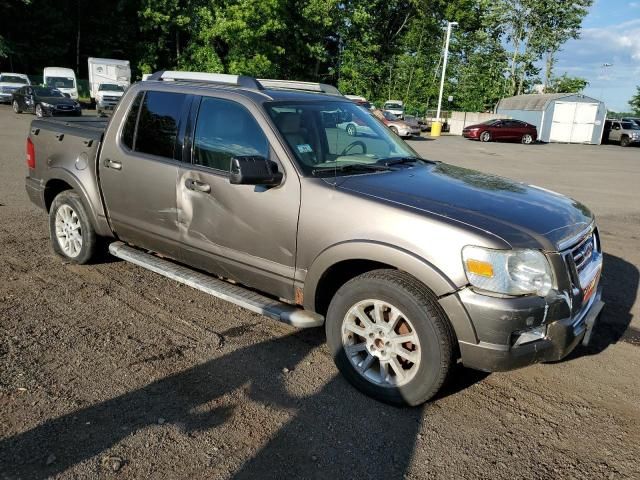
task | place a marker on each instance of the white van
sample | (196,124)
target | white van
(64,79)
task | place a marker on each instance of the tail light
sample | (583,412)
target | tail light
(31,154)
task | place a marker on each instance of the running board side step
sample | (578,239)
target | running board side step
(243,297)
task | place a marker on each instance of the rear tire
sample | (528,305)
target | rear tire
(16,107)
(72,234)
(401,362)
(527,139)
(485,136)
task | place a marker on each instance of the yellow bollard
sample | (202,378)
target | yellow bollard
(436,128)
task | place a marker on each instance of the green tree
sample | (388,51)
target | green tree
(635,102)
(567,84)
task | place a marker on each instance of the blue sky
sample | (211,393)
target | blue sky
(610,34)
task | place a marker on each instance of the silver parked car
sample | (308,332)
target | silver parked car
(623,132)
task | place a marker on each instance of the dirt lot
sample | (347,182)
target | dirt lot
(111,371)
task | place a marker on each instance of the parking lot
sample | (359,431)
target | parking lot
(112,371)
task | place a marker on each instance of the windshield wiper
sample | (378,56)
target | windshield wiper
(388,162)
(353,167)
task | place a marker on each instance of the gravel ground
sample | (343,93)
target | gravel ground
(110,371)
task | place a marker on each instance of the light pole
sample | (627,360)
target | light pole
(604,77)
(444,65)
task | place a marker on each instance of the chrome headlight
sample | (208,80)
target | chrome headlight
(511,272)
(48,105)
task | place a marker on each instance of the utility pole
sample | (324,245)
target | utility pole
(444,65)
(604,77)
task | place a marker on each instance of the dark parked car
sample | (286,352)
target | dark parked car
(499,129)
(44,102)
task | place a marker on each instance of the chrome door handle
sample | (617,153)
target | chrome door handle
(197,186)
(113,164)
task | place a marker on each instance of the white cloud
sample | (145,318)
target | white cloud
(616,44)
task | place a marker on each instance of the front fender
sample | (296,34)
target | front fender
(401,259)
(376,252)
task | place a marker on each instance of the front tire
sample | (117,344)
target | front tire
(485,137)
(72,234)
(395,130)
(352,131)
(39,112)
(390,338)
(16,107)
(625,142)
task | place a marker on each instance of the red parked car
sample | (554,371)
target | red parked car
(502,129)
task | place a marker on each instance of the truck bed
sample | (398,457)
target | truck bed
(67,149)
(86,127)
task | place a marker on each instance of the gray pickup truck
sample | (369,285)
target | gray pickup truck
(248,190)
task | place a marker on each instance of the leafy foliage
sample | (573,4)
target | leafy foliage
(380,49)
(567,84)
(635,102)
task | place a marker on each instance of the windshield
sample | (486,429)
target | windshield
(389,116)
(393,106)
(110,87)
(630,126)
(13,79)
(60,82)
(47,92)
(329,135)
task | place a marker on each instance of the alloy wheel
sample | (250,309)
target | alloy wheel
(68,231)
(381,343)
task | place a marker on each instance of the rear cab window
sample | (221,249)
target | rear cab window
(152,124)
(158,120)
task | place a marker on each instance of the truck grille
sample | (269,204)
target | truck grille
(111,99)
(582,254)
(586,259)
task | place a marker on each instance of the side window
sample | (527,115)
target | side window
(130,122)
(225,129)
(158,123)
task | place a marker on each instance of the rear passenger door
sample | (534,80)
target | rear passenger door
(243,232)
(139,170)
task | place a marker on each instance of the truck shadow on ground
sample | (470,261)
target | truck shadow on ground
(620,280)
(331,433)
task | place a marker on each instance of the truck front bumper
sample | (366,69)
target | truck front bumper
(555,338)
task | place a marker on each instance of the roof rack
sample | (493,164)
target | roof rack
(219,78)
(304,86)
(242,81)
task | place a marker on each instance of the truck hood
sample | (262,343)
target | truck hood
(523,215)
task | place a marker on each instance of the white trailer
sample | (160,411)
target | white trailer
(108,71)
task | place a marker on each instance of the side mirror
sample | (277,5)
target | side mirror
(346,117)
(254,170)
